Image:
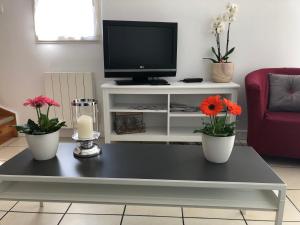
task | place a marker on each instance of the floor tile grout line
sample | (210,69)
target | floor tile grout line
(214,218)
(64,214)
(9,210)
(241,212)
(284,221)
(123,214)
(95,214)
(18,211)
(182,215)
(139,215)
(13,206)
(292,203)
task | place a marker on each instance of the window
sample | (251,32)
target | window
(62,20)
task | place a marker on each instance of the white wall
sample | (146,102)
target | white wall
(266,34)
(22,61)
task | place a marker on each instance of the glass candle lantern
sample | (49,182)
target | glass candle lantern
(85,123)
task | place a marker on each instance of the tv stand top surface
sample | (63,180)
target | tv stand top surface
(173,85)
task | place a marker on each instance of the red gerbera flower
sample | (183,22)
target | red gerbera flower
(232,107)
(212,105)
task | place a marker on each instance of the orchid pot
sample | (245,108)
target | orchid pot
(222,72)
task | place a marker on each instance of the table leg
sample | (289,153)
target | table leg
(281,201)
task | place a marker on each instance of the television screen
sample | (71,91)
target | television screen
(139,48)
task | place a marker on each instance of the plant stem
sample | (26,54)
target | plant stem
(48,111)
(219,47)
(37,112)
(228,36)
(225,118)
(211,121)
(215,121)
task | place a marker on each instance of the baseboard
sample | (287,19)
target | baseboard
(241,134)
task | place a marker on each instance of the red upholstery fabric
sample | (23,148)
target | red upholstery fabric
(270,133)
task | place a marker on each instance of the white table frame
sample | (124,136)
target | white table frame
(230,195)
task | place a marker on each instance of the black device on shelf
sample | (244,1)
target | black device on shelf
(139,50)
(142,82)
(192,80)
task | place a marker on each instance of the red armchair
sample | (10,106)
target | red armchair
(270,133)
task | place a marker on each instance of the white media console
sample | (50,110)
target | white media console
(162,125)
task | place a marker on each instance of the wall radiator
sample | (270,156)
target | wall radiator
(65,87)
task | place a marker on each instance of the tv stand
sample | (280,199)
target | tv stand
(142,82)
(163,122)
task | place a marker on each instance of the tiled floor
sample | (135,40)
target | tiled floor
(30,213)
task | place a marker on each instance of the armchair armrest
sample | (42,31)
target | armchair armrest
(256,84)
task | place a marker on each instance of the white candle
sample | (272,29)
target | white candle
(85,127)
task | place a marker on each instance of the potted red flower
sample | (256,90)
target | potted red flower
(42,137)
(218,133)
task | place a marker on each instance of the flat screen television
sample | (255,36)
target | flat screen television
(139,50)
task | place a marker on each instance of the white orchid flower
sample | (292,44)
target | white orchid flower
(232,7)
(220,28)
(226,17)
(231,19)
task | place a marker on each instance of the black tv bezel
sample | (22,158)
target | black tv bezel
(137,72)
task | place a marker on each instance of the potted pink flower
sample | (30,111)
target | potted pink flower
(42,136)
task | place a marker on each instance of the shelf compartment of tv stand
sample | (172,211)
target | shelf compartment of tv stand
(151,134)
(132,108)
(185,134)
(190,114)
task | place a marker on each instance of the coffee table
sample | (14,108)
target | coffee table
(149,174)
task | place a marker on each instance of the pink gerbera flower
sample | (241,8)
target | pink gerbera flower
(51,102)
(37,102)
(40,101)
(30,102)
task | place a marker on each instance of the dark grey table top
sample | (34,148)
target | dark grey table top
(146,161)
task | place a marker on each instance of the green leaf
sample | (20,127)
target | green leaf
(197,131)
(213,60)
(23,129)
(229,52)
(32,125)
(214,51)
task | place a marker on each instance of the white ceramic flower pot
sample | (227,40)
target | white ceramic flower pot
(43,147)
(217,149)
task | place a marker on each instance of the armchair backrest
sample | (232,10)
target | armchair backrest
(257,88)
(263,75)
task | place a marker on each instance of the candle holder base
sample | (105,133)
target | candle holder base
(87,152)
(86,147)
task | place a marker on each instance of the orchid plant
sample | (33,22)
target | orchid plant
(44,124)
(218,27)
